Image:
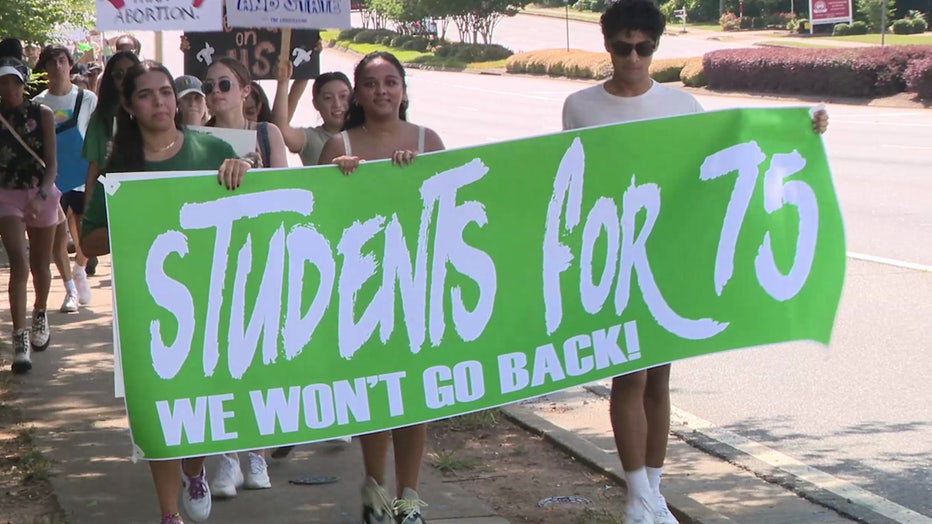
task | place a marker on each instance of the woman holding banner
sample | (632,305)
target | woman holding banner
(376,128)
(151,138)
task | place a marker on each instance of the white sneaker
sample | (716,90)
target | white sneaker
(408,507)
(639,512)
(39,335)
(662,514)
(70,305)
(257,477)
(228,477)
(376,508)
(195,496)
(81,284)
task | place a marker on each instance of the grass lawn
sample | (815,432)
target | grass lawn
(923,39)
(405,57)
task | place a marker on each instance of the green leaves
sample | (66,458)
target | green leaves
(46,20)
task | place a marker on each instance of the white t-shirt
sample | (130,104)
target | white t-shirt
(63,106)
(594,106)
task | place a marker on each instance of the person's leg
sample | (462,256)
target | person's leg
(629,425)
(657,409)
(13,235)
(73,204)
(376,506)
(167,479)
(408,443)
(40,254)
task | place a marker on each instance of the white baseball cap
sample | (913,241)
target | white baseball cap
(12,66)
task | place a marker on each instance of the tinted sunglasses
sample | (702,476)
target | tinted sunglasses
(224,86)
(643,49)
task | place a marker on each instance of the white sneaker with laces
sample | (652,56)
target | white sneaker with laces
(70,304)
(408,507)
(195,496)
(39,336)
(662,514)
(229,476)
(639,511)
(81,284)
(257,476)
(376,508)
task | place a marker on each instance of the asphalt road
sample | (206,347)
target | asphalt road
(861,410)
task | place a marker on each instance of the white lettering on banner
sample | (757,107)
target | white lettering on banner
(332,7)
(631,256)
(467,385)
(548,366)
(181,416)
(174,297)
(746,159)
(306,246)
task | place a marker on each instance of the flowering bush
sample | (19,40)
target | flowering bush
(856,72)
(729,22)
(918,76)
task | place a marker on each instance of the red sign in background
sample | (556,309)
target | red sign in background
(825,10)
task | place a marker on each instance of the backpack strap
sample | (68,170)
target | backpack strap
(265,146)
(73,121)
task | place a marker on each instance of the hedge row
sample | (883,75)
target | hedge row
(597,66)
(455,51)
(855,72)
(918,77)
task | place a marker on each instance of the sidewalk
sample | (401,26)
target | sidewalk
(82,429)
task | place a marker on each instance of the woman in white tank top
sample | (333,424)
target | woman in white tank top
(376,129)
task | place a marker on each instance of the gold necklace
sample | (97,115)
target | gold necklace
(164,149)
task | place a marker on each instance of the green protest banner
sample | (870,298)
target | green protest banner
(308,305)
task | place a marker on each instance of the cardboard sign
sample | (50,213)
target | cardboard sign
(145,15)
(330,14)
(257,49)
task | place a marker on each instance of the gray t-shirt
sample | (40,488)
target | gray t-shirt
(315,138)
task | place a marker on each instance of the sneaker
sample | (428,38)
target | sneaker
(174,518)
(81,284)
(21,360)
(408,508)
(257,477)
(39,337)
(662,514)
(91,267)
(229,477)
(640,512)
(195,496)
(376,508)
(70,305)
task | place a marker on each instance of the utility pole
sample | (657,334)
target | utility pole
(566,5)
(883,22)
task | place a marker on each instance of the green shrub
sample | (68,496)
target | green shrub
(903,27)
(859,28)
(400,40)
(802,25)
(692,74)
(919,26)
(349,34)
(559,62)
(667,70)
(416,44)
(729,22)
(469,53)
(841,30)
(386,40)
(372,36)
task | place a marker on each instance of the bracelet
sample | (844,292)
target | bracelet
(253,159)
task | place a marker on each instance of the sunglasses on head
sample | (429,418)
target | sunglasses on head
(644,48)
(224,86)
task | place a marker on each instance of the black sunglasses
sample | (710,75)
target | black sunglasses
(644,48)
(224,86)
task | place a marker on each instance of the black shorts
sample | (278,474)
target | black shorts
(73,200)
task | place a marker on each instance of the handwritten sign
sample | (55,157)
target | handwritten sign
(159,15)
(257,49)
(298,14)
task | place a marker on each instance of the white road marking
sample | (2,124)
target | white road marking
(823,480)
(889,261)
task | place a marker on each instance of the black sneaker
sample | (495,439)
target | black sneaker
(21,361)
(91,267)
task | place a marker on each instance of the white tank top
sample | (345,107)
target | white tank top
(349,148)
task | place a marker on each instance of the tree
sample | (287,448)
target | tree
(45,21)
(475,18)
(870,11)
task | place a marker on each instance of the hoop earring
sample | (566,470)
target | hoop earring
(132,116)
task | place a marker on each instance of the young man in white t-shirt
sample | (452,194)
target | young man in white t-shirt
(62,97)
(640,401)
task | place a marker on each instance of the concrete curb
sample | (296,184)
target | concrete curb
(686,509)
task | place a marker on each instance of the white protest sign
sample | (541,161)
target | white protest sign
(159,15)
(296,14)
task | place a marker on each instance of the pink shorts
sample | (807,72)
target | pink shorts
(16,202)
